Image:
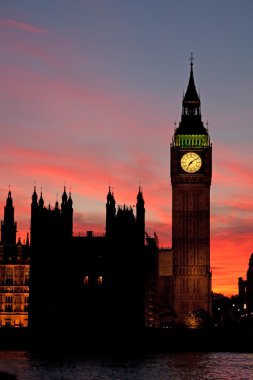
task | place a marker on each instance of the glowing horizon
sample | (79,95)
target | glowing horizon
(89,96)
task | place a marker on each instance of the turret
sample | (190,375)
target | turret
(250,269)
(27,243)
(140,216)
(34,211)
(110,213)
(67,213)
(248,285)
(70,202)
(70,215)
(56,207)
(64,198)
(8,226)
(41,201)
(34,197)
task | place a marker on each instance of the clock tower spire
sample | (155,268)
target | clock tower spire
(191,170)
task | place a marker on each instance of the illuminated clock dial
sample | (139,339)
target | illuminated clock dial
(191,162)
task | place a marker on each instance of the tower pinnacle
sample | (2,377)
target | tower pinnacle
(191,130)
(191,59)
(191,101)
(8,225)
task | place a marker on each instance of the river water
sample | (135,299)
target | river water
(160,366)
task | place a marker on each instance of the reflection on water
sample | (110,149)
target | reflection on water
(176,366)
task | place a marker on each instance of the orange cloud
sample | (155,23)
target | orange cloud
(90,138)
(87,174)
(230,255)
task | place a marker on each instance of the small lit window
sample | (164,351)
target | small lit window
(27,278)
(244,306)
(86,280)
(100,280)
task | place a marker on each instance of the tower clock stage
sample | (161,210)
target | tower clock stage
(191,172)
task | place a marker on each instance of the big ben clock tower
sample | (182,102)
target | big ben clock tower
(191,171)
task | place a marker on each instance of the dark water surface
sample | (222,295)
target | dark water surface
(176,366)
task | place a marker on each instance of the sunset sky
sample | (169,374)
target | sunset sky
(89,94)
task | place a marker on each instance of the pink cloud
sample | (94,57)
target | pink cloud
(29,49)
(74,144)
(231,222)
(61,100)
(22,26)
(87,174)
(230,247)
(58,98)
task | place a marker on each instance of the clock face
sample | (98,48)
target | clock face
(191,162)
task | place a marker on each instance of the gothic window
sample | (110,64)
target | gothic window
(100,280)
(8,322)
(26,302)
(9,277)
(86,280)
(8,299)
(1,303)
(8,303)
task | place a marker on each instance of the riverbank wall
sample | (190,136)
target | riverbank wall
(147,340)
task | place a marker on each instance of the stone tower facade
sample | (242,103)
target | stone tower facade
(191,171)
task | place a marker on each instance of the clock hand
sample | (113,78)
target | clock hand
(191,162)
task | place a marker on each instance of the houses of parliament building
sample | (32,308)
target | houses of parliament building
(56,280)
